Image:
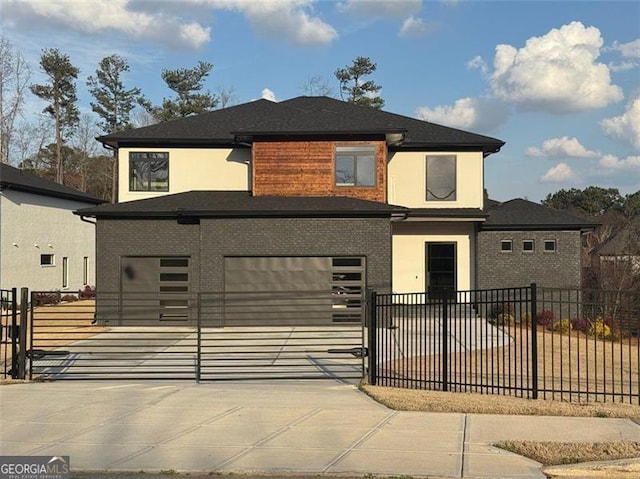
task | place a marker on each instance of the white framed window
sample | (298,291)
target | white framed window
(550,246)
(85,270)
(47,260)
(441,178)
(356,165)
(506,246)
(528,246)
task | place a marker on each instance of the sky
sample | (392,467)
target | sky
(558,81)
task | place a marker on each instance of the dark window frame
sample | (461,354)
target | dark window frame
(430,176)
(147,182)
(354,153)
(51,256)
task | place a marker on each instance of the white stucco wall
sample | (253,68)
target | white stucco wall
(409,256)
(192,169)
(407,178)
(27,220)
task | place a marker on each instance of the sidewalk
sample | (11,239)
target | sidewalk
(270,427)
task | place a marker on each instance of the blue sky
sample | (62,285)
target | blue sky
(559,81)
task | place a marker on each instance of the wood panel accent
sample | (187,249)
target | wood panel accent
(307,168)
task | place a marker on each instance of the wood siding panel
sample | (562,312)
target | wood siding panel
(307,168)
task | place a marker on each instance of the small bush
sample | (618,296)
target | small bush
(42,299)
(563,326)
(581,324)
(600,329)
(69,298)
(88,292)
(545,318)
(506,319)
(526,319)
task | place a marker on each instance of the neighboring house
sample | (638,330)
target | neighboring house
(309,194)
(617,261)
(522,242)
(43,245)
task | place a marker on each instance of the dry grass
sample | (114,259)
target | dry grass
(469,403)
(553,453)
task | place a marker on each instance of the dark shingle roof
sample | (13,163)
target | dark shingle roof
(15,179)
(440,213)
(300,116)
(519,214)
(241,204)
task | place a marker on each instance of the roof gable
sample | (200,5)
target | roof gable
(16,179)
(300,116)
(519,214)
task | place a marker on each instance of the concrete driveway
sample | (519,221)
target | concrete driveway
(301,427)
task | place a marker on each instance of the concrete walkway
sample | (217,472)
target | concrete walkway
(269,427)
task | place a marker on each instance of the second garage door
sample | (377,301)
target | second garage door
(284,291)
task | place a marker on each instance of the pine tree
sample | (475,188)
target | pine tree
(113,102)
(187,84)
(60,92)
(358,91)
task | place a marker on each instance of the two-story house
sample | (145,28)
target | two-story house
(310,194)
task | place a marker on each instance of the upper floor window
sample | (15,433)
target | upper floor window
(528,246)
(506,246)
(550,246)
(355,166)
(148,171)
(441,178)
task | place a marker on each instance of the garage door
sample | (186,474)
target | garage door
(284,291)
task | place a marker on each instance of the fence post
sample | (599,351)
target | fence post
(199,338)
(372,325)
(22,334)
(14,332)
(445,341)
(534,339)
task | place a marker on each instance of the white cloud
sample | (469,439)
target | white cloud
(478,62)
(625,126)
(466,113)
(557,72)
(560,173)
(268,95)
(381,8)
(628,50)
(561,148)
(288,20)
(415,27)
(611,162)
(100,16)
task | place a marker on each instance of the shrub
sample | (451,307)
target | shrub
(42,299)
(563,326)
(600,329)
(526,319)
(581,324)
(88,292)
(505,319)
(69,298)
(545,318)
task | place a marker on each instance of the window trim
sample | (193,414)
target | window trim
(533,246)
(555,246)
(453,192)
(355,151)
(85,270)
(147,181)
(504,242)
(65,272)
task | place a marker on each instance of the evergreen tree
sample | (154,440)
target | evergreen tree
(60,92)
(356,90)
(187,84)
(113,102)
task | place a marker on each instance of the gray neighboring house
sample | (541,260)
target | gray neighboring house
(522,242)
(617,261)
(43,245)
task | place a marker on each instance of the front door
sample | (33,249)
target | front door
(441,269)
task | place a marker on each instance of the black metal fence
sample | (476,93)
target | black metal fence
(11,338)
(205,336)
(529,342)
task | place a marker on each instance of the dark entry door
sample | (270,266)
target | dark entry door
(441,269)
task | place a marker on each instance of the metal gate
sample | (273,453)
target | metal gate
(11,348)
(265,335)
